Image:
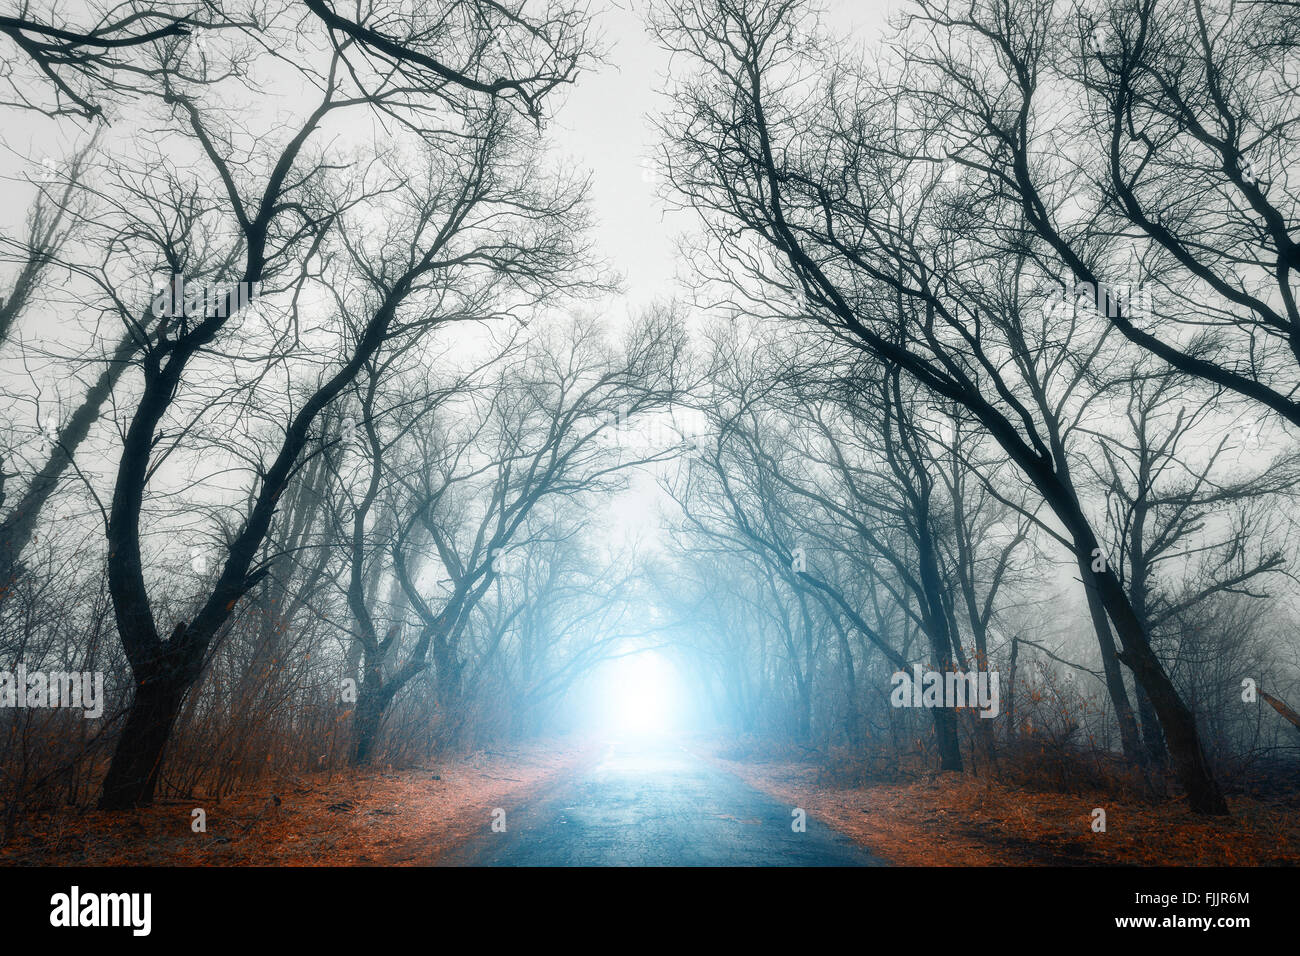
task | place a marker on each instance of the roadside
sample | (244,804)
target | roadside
(401,817)
(963,821)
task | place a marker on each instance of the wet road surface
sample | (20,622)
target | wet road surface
(664,807)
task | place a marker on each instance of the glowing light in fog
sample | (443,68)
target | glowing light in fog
(641,695)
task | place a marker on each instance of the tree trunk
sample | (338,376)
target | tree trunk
(805,709)
(1013,720)
(1179,725)
(945,732)
(1128,729)
(365,724)
(1152,739)
(19,524)
(133,773)
(852,718)
(936,624)
(1176,718)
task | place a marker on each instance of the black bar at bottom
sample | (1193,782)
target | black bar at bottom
(337,907)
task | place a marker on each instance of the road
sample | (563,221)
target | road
(661,807)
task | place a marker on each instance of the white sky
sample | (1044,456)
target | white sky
(604,124)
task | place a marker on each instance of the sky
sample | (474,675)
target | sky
(605,125)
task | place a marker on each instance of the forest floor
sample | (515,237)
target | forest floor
(953,820)
(427,816)
(402,817)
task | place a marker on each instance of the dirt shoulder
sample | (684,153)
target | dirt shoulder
(962,821)
(406,817)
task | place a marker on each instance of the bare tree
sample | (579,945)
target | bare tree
(536,438)
(503,50)
(462,214)
(1162,505)
(112,50)
(859,230)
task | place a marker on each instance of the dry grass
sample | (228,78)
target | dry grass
(962,821)
(405,817)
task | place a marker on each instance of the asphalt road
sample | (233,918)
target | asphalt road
(664,807)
